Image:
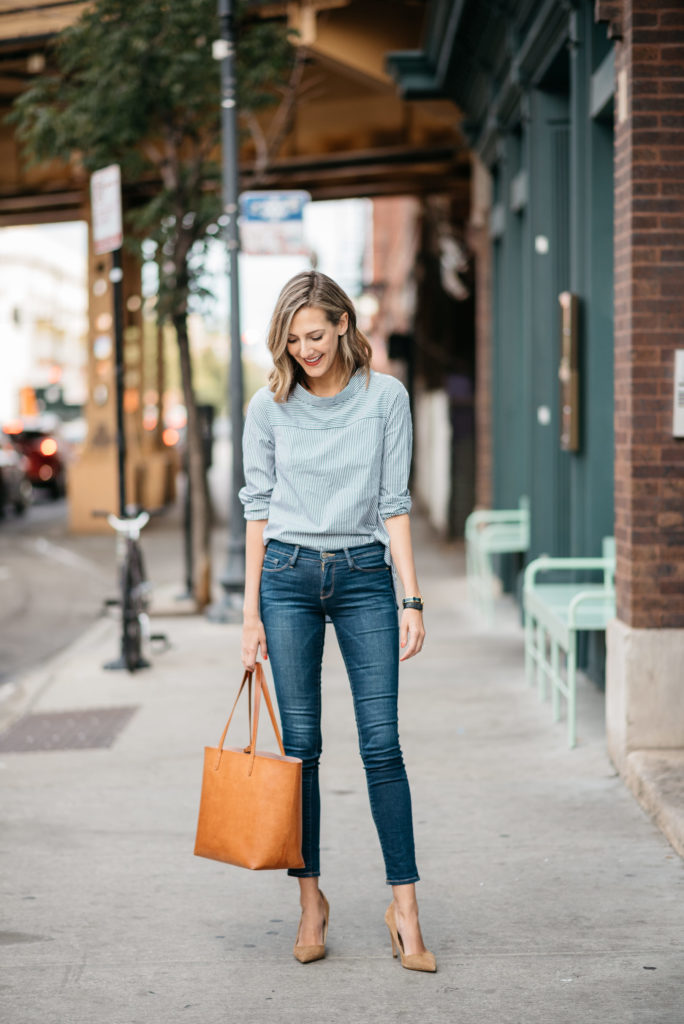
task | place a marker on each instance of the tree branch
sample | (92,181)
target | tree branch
(268,144)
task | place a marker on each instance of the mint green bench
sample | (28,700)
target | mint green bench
(554,613)
(489,532)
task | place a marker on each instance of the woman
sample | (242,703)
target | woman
(327,449)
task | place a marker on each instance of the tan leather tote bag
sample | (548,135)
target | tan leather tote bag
(251,804)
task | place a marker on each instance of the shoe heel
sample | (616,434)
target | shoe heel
(412,961)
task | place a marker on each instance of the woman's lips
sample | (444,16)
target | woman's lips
(312,362)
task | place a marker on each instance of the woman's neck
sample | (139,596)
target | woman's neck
(324,388)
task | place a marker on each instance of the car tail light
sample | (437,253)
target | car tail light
(48,446)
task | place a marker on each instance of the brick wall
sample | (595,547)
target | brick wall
(649,311)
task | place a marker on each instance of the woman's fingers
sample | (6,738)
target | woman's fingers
(262,643)
(411,633)
(251,640)
(404,632)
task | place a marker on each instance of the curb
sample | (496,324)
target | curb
(656,778)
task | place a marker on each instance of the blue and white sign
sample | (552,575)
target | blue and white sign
(272,223)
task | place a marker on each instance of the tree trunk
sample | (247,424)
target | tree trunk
(197,477)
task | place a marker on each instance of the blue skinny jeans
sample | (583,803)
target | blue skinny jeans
(300,587)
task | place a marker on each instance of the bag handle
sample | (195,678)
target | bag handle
(247,676)
(253,720)
(261,687)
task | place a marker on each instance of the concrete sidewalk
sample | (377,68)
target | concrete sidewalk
(547,894)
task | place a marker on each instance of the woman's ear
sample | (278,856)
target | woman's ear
(343,324)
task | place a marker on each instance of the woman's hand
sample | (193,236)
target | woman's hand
(253,638)
(411,633)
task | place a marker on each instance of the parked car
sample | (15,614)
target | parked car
(46,465)
(15,486)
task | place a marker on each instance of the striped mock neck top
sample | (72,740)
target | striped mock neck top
(327,472)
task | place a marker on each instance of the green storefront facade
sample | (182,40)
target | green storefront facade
(534,82)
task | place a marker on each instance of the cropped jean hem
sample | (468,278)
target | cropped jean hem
(303,873)
(404,881)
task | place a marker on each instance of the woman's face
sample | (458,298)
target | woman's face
(313,342)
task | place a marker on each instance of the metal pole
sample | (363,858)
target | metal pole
(233,577)
(116,277)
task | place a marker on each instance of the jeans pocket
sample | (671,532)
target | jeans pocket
(370,561)
(276,563)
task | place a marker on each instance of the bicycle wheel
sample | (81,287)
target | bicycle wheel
(132,608)
(143,591)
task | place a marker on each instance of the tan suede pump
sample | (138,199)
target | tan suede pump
(307,954)
(411,961)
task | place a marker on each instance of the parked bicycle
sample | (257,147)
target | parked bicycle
(136,636)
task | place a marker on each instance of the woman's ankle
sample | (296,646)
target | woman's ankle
(405,899)
(309,893)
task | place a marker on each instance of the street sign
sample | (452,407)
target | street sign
(272,223)
(105,198)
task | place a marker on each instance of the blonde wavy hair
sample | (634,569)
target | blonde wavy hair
(313,289)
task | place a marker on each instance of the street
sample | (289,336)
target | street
(52,585)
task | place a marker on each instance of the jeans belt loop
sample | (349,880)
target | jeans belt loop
(294,556)
(350,562)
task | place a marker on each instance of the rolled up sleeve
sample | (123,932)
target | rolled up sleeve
(258,454)
(395,499)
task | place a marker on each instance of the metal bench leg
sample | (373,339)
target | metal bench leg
(488,589)
(555,680)
(470,569)
(529,647)
(477,578)
(542,668)
(572,690)
(540,647)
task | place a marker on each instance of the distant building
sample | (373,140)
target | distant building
(43,313)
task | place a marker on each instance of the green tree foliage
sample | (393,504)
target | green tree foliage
(136,84)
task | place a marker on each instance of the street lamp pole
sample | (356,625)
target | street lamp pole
(233,578)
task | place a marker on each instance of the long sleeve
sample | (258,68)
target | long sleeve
(395,499)
(258,453)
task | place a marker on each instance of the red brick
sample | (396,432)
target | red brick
(660,35)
